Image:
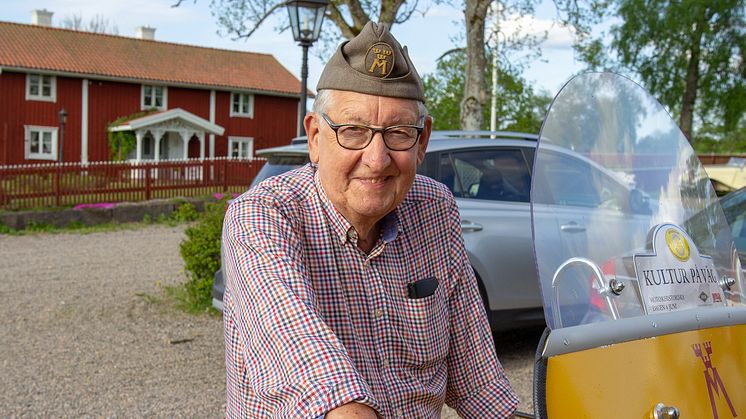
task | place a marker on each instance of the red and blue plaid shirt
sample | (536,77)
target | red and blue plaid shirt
(312,322)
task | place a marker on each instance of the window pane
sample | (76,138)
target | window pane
(34,142)
(158,96)
(245,104)
(46,142)
(235,149)
(33,85)
(147,95)
(236,101)
(447,176)
(496,175)
(46,86)
(245,149)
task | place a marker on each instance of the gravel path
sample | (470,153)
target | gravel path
(82,336)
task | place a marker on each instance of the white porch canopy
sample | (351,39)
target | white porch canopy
(179,121)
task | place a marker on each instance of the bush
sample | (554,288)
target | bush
(185,212)
(201,254)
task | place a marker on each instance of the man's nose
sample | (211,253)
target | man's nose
(376,155)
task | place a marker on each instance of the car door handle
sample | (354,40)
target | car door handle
(467,225)
(572,227)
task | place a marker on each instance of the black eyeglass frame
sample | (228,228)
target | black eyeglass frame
(373,131)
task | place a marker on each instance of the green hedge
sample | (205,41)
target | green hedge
(201,254)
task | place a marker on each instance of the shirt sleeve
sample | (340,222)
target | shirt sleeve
(477,385)
(282,359)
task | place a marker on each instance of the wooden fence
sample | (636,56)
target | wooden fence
(66,184)
(717,158)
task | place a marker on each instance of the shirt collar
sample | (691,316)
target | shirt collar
(343,229)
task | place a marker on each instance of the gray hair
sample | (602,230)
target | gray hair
(323,99)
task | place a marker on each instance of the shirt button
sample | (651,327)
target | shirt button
(399,413)
(386,363)
(379,312)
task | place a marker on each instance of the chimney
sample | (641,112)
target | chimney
(145,32)
(41,17)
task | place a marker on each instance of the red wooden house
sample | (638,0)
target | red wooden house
(200,102)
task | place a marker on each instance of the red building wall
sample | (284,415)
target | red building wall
(16,112)
(107,102)
(191,100)
(273,124)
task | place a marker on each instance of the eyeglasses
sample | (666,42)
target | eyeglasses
(357,137)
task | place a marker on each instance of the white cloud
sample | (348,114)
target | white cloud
(558,37)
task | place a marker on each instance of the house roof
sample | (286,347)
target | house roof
(107,56)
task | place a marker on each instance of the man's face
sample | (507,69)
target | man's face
(365,185)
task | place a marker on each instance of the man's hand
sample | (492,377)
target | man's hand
(352,410)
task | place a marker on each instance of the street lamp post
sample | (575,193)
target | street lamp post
(63,121)
(306,17)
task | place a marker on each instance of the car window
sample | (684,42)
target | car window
(734,207)
(575,182)
(495,175)
(278,165)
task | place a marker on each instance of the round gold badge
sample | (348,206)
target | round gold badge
(379,60)
(677,244)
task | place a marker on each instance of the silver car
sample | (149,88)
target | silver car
(489,173)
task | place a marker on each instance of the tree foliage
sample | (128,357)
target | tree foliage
(519,108)
(718,140)
(241,18)
(688,53)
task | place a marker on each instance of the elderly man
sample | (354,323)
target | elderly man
(349,293)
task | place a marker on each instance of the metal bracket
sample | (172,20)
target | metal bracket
(600,281)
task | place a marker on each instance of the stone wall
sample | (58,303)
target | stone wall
(121,213)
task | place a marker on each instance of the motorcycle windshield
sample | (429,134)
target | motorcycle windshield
(625,221)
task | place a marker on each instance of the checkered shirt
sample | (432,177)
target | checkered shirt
(312,322)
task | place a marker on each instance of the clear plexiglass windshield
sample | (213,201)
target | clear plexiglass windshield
(625,221)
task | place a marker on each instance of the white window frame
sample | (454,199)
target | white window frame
(239,114)
(39,155)
(40,97)
(164,104)
(243,142)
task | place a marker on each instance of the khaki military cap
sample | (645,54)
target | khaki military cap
(374,63)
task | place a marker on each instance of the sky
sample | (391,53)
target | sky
(427,37)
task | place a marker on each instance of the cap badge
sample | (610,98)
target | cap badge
(379,60)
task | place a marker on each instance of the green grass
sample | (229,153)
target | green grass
(182,299)
(78,227)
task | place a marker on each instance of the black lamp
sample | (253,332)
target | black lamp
(63,121)
(306,17)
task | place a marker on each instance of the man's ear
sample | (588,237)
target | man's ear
(311,124)
(424,138)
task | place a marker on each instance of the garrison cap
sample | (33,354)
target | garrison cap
(374,63)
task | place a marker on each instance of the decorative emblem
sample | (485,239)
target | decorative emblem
(379,60)
(712,378)
(677,244)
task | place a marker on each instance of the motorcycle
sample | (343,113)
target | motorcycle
(642,288)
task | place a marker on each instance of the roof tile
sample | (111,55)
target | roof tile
(92,54)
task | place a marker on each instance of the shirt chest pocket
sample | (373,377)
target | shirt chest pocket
(422,325)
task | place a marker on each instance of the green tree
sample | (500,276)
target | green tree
(475,94)
(519,108)
(688,53)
